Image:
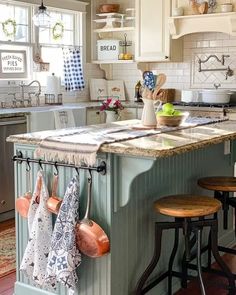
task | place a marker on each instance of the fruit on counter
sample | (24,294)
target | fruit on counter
(168,110)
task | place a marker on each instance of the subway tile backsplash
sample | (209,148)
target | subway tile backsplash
(180,76)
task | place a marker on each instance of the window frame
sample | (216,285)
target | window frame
(78,36)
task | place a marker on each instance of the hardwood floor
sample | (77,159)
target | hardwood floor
(7,284)
(214,284)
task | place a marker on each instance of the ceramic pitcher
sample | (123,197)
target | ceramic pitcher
(149,112)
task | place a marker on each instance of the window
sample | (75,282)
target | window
(17,32)
(53,38)
(14,17)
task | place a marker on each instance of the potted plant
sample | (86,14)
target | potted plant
(112,109)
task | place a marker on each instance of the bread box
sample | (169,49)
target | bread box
(108,49)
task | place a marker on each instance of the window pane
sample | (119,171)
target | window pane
(44,35)
(55,58)
(16,14)
(21,16)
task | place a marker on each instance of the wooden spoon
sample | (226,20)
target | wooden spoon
(161,79)
(203,8)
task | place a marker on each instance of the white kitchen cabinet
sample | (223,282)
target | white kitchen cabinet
(94,116)
(129,114)
(153,40)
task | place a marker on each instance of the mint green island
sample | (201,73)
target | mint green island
(139,171)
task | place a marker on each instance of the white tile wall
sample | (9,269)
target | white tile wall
(185,75)
(180,76)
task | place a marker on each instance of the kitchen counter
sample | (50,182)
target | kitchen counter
(139,171)
(157,146)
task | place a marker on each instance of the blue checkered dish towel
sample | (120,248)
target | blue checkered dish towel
(73,73)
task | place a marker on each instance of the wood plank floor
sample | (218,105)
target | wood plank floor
(214,284)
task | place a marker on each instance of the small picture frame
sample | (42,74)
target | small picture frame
(98,89)
(13,64)
(115,89)
(101,89)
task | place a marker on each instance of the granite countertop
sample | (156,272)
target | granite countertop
(155,146)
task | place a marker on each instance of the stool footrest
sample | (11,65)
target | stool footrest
(157,280)
(227,250)
(210,270)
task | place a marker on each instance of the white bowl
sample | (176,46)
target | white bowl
(226,7)
(215,96)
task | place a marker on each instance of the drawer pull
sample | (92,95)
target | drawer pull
(97,113)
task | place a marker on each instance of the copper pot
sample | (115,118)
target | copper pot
(54,203)
(23,204)
(90,237)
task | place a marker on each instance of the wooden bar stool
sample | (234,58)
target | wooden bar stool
(183,208)
(222,187)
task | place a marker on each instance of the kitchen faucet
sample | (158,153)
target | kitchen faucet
(29,99)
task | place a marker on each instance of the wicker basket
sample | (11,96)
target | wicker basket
(166,95)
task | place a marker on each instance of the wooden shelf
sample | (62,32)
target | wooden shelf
(214,22)
(113,61)
(120,29)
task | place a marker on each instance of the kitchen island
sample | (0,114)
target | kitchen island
(139,171)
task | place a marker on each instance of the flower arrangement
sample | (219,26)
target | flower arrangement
(112,105)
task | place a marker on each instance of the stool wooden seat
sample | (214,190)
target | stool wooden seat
(187,206)
(218,183)
(189,212)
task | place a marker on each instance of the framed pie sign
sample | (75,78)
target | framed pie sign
(13,64)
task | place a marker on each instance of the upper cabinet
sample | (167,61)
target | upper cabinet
(141,25)
(153,40)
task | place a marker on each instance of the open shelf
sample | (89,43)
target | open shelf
(214,22)
(119,29)
(119,61)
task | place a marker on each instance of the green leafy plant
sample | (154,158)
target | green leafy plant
(9,27)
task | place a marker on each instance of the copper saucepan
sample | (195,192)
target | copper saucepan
(23,202)
(54,203)
(90,237)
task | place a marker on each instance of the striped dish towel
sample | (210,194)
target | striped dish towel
(80,145)
(73,73)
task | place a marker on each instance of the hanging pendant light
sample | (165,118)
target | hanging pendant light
(41,17)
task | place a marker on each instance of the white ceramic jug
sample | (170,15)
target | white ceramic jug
(149,113)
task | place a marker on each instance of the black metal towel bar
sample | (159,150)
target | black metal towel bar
(100,168)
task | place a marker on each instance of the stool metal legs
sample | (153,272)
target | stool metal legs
(215,252)
(171,261)
(195,226)
(199,265)
(159,227)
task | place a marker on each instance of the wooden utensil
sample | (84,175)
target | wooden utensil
(161,79)
(203,8)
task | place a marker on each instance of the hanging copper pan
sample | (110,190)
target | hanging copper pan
(90,237)
(54,203)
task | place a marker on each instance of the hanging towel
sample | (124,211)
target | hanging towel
(35,258)
(64,257)
(73,73)
(64,119)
